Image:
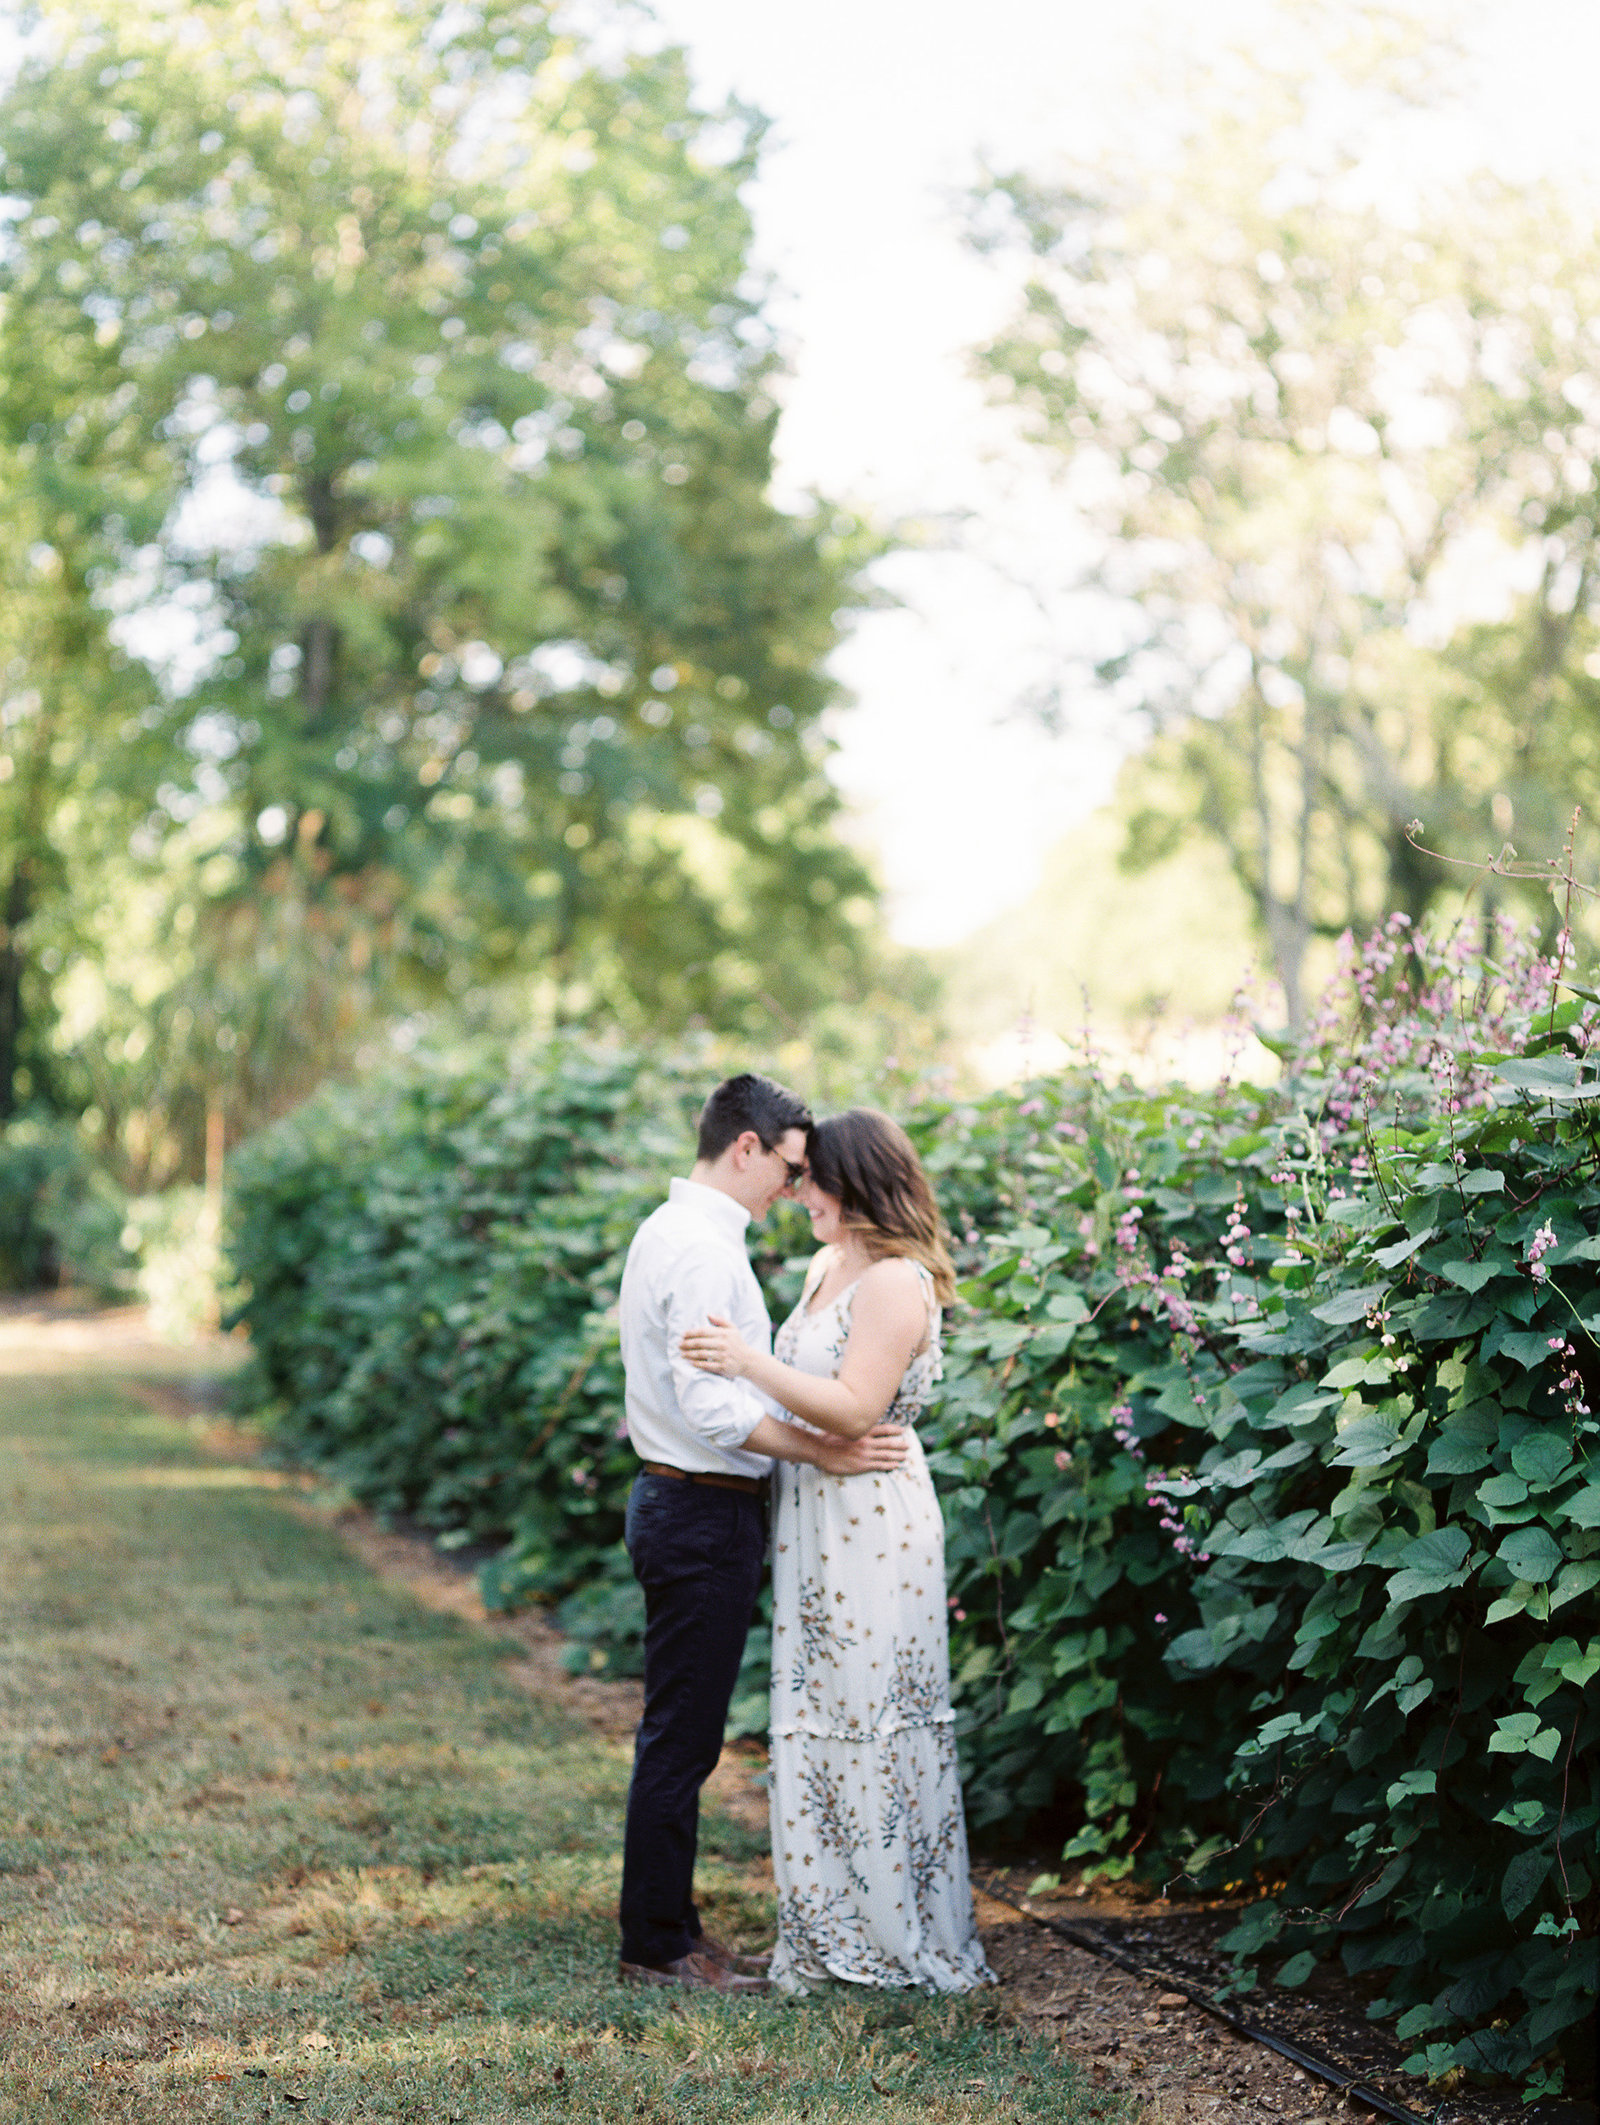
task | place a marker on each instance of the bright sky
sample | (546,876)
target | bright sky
(882,110)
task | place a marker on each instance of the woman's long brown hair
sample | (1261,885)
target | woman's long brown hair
(871,1165)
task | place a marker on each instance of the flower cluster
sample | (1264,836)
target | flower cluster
(1538,1247)
(1122,1427)
(1572,1391)
(1415,1016)
(1159,1496)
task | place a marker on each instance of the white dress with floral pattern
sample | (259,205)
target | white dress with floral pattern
(869,1842)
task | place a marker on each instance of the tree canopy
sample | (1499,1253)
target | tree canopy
(385,410)
(1339,444)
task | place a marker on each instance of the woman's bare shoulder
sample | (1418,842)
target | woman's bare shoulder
(894,1281)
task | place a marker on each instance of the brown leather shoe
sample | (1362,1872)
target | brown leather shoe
(693,1972)
(731,1958)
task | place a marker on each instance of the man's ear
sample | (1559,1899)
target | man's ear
(747,1143)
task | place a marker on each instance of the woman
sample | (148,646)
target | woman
(869,1843)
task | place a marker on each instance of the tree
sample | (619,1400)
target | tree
(1314,433)
(430,346)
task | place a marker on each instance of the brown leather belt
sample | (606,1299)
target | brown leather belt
(754,1485)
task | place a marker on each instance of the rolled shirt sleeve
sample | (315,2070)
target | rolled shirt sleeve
(723,1412)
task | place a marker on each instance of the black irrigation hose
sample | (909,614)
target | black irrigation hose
(1311,2061)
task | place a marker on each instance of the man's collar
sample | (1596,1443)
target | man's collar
(723,1211)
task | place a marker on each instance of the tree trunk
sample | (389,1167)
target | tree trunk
(1288,934)
(216,1142)
(17,908)
(319,640)
(319,644)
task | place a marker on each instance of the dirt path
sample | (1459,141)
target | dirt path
(1131,2036)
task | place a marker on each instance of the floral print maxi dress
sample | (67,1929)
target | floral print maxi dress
(869,1843)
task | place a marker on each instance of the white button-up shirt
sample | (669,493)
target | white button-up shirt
(688,1260)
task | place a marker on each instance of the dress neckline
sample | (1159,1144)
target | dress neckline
(811,1312)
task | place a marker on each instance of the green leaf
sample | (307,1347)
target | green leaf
(1471,1276)
(1583,1506)
(1532,1554)
(1235,1470)
(1503,1491)
(1575,1579)
(1553,2016)
(1358,1372)
(1538,1073)
(1257,1545)
(1402,1250)
(1483,1180)
(1412,1782)
(1070,1306)
(1571,1664)
(1198,1651)
(1521,1596)
(1348,1306)
(1429,1565)
(1367,1442)
(1522,1881)
(1541,1456)
(1417,2021)
(1464,1441)
(1530,1350)
(1259,1924)
(1444,1550)
(1513,1733)
(1297,1969)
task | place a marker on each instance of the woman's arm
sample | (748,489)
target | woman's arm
(881,1449)
(888,1324)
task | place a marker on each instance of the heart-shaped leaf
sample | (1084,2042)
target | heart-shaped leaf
(1532,1554)
(1347,1306)
(1541,1457)
(1522,1881)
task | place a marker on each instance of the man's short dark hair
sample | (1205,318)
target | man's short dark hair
(749,1102)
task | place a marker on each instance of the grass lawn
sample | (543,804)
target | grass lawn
(277,1842)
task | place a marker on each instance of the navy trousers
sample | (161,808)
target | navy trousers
(697,1550)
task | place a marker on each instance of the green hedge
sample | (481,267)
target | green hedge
(1272,1531)
(430,1263)
(61,1218)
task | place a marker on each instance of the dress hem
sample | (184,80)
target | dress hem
(949,1978)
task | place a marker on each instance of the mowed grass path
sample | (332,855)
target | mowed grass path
(277,1842)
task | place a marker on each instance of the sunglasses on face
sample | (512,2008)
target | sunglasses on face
(793,1174)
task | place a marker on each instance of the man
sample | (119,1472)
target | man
(696,1528)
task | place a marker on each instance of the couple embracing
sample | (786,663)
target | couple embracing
(869,1843)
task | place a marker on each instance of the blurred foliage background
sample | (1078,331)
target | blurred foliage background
(1335,419)
(400,643)
(398,624)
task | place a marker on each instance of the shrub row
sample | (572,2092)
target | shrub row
(61,1219)
(1266,1448)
